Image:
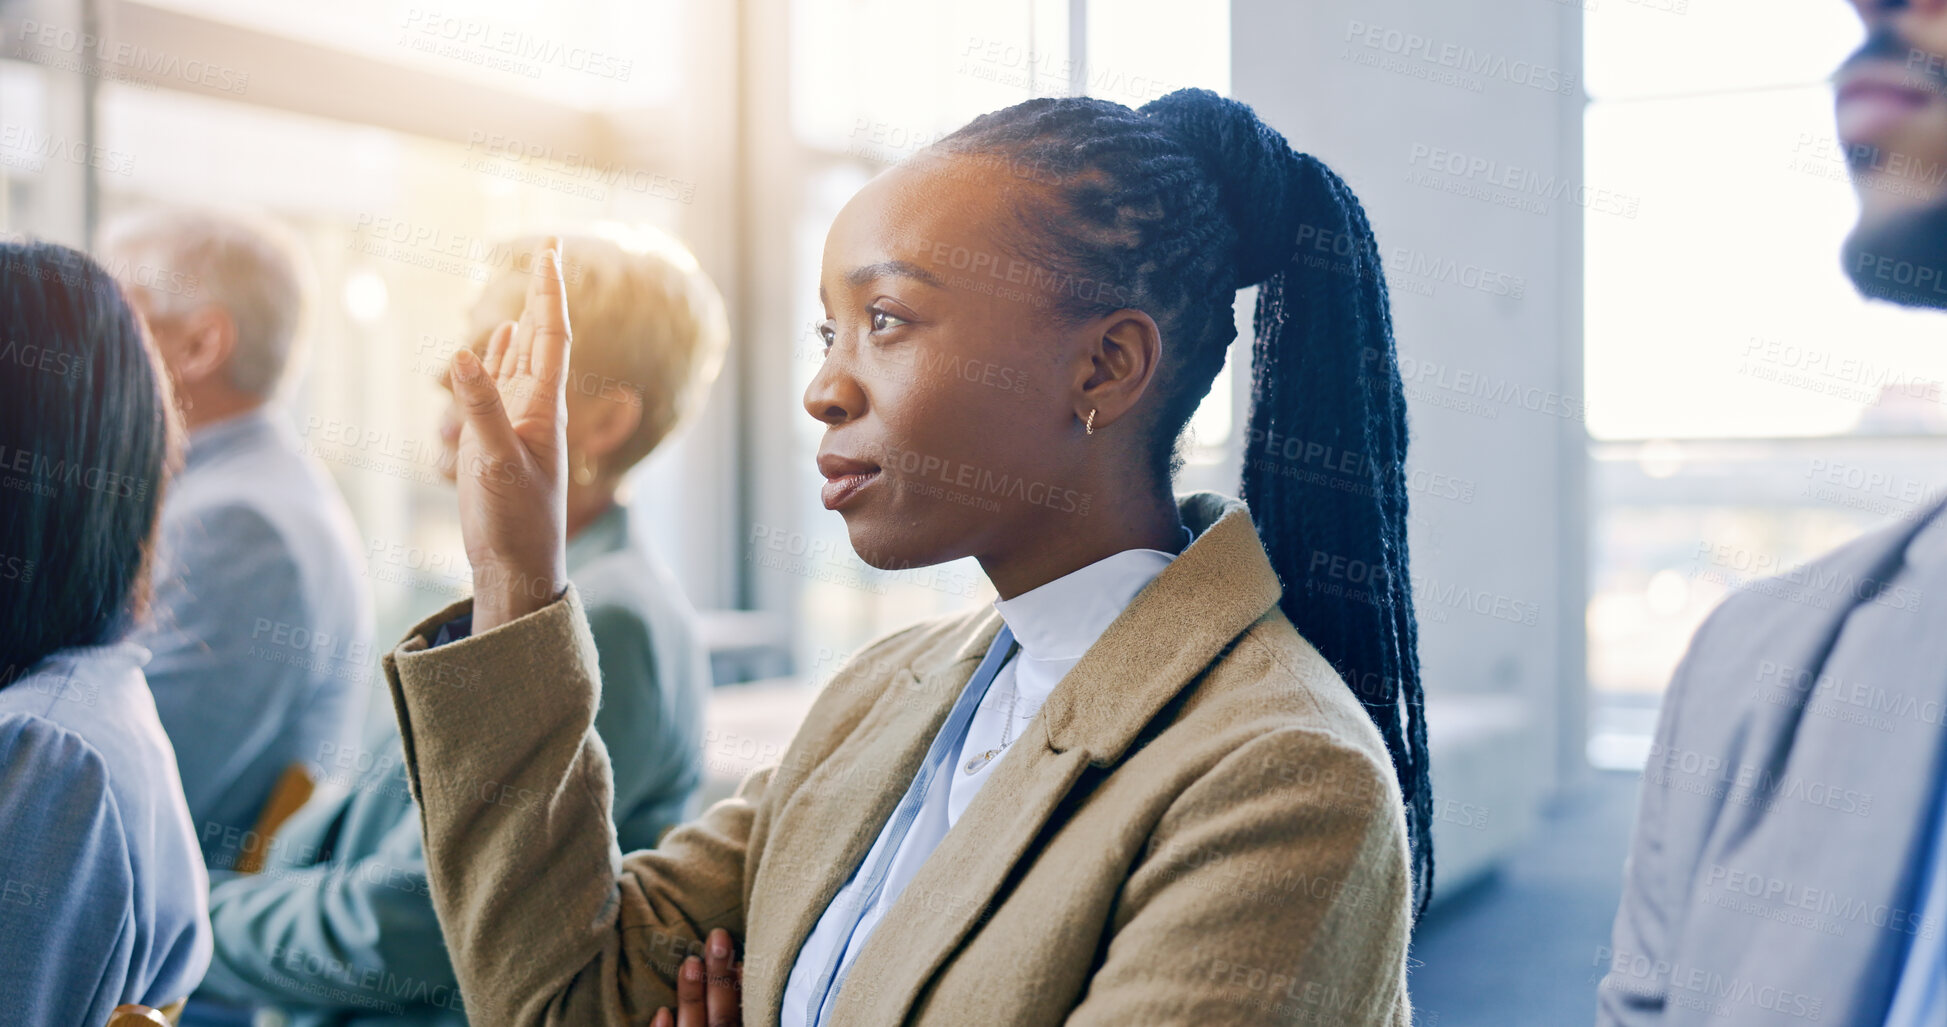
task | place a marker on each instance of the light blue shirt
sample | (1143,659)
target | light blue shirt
(263,623)
(1053,625)
(1920,997)
(101,883)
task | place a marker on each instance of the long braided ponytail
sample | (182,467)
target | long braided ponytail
(1185,202)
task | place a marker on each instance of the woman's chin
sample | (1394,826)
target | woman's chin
(884,548)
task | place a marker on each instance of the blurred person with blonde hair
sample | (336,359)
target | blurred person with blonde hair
(340,927)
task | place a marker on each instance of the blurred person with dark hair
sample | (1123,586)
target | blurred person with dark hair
(101,884)
(1789,861)
(1177,753)
(339,928)
(262,634)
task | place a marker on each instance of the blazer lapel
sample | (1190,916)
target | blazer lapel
(1174,629)
(823,831)
(956,883)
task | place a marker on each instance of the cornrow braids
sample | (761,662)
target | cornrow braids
(1172,209)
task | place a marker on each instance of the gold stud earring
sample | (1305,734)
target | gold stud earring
(1090,424)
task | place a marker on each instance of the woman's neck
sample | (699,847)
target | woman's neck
(1066,542)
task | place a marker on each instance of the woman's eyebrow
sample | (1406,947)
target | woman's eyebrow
(859,276)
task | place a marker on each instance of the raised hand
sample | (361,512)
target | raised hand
(709,992)
(512,466)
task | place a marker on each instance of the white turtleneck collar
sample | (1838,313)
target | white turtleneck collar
(1062,619)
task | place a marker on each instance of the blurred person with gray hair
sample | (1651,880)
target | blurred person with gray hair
(262,637)
(339,929)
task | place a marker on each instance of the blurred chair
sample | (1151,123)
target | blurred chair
(132,1015)
(286,797)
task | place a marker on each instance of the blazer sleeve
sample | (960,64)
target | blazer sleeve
(68,931)
(353,935)
(1276,889)
(545,920)
(1633,991)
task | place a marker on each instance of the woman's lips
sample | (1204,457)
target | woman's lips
(839,489)
(1868,109)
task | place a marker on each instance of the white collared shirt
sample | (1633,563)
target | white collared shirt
(1054,624)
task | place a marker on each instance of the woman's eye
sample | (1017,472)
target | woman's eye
(828,331)
(881,318)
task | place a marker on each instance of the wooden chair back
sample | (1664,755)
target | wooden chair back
(132,1015)
(292,789)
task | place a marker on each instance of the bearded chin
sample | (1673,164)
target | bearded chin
(1901,257)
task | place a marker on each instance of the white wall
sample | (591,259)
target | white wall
(1379,89)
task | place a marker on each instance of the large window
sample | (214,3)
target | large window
(440,139)
(1748,411)
(444,132)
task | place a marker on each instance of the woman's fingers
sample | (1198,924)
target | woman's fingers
(535,363)
(663,1018)
(722,999)
(479,400)
(497,343)
(547,314)
(690,1008)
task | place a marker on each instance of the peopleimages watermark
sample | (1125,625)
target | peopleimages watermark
(1698,987)
(1872,490)
(832,561)
(334,980)
(1345,470)
(1407,269)
(1819,909)
(1820,155)
(1011,64)
(535,163)
(1510,185)
(1830,372)
(980,487)
(23,147)
(1768,573)
(86,53)
(1446,62)
(1746,784)
(909,366)
(438,249)
(381,451)
(1842,698)
(40,474)
(504,48)
(36,357)
(1898,278)
(1034,280)
(1427,380)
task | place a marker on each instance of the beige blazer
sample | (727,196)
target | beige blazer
(1200,826)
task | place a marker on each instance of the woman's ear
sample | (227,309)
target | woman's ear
(598,424)
(1123,350)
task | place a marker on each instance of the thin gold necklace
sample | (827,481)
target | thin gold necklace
(980,760)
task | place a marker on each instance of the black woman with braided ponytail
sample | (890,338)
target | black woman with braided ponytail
(1176,773)
(1323,367)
